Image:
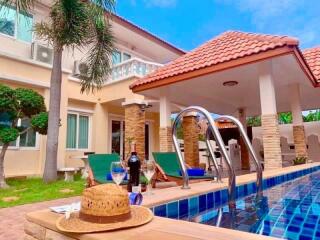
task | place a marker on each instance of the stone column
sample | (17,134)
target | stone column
(191,140)
(245,163)
(165,131)
(135,128)
(299,137)
(269,118)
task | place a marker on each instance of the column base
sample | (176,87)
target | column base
(271,141)
(299,139)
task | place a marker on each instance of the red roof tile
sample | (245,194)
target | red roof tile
(228,46)
(312,56)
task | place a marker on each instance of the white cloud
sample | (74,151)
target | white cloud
(161,3)
(298,18)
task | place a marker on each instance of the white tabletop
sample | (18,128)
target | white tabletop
(80,157)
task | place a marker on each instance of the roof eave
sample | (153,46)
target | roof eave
(124,22)
(305,67)
(284,50)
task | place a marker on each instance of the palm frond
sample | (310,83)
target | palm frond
(70,22)
(21,5)
(99,7)
(44,31)
(98,57)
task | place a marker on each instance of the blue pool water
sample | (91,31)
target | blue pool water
(290,210)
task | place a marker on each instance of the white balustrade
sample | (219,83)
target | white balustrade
(133,67)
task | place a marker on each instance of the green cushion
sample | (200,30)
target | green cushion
(168,161)
(100,165)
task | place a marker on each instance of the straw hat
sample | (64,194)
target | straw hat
(104,208)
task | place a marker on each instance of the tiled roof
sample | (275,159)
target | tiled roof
(228,46)
(312,56)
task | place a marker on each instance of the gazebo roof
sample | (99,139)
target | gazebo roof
(312,56)
(230,49)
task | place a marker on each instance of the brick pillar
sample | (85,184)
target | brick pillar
(191,138)
(299,139)
(165,139)
(271,141)
(135,129)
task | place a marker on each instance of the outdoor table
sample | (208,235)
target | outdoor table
(85,171)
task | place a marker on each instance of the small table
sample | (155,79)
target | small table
(85,171)
(68,173)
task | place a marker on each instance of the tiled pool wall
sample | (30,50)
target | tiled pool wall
(183,208)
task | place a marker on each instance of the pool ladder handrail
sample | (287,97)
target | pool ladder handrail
(220,143)
(249,147)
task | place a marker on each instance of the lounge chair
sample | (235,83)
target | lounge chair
(168,163)
(100,165)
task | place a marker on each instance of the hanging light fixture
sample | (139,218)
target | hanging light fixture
(230,83)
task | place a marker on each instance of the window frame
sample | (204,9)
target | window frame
(18,147)
(15,36)
(122,53)
(85,114)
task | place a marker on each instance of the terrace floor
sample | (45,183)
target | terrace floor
(12,219)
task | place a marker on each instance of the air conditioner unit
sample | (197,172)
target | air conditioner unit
(80,69)
(41,53)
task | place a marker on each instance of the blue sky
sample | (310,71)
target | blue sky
(188,23)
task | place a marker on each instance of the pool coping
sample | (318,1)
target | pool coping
(162,196)
(41,224)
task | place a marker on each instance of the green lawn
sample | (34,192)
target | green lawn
(32,190)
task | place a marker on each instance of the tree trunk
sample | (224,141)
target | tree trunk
(50,168)
(3,183)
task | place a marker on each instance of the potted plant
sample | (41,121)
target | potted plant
(143,183)
(299,160)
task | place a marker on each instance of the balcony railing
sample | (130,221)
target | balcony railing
(133,67)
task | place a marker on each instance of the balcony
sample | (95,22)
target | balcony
(133,67)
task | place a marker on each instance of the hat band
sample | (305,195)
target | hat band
(104,219)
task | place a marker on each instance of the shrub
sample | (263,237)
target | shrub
(299,160)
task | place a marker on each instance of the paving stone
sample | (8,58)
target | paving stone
(12,220)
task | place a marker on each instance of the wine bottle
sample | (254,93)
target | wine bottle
(134,169)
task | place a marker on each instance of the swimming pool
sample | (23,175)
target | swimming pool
(289,210)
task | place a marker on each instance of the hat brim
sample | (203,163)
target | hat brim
(139,216)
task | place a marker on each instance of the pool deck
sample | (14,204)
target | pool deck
(41,224)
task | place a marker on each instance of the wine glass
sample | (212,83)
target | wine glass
(118,172)
(148,169)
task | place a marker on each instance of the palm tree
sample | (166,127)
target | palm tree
(81,24)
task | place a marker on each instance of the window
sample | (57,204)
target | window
(78,131)
(126,56)
(119,57)
(116,57)
(27,139)
(17,25)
